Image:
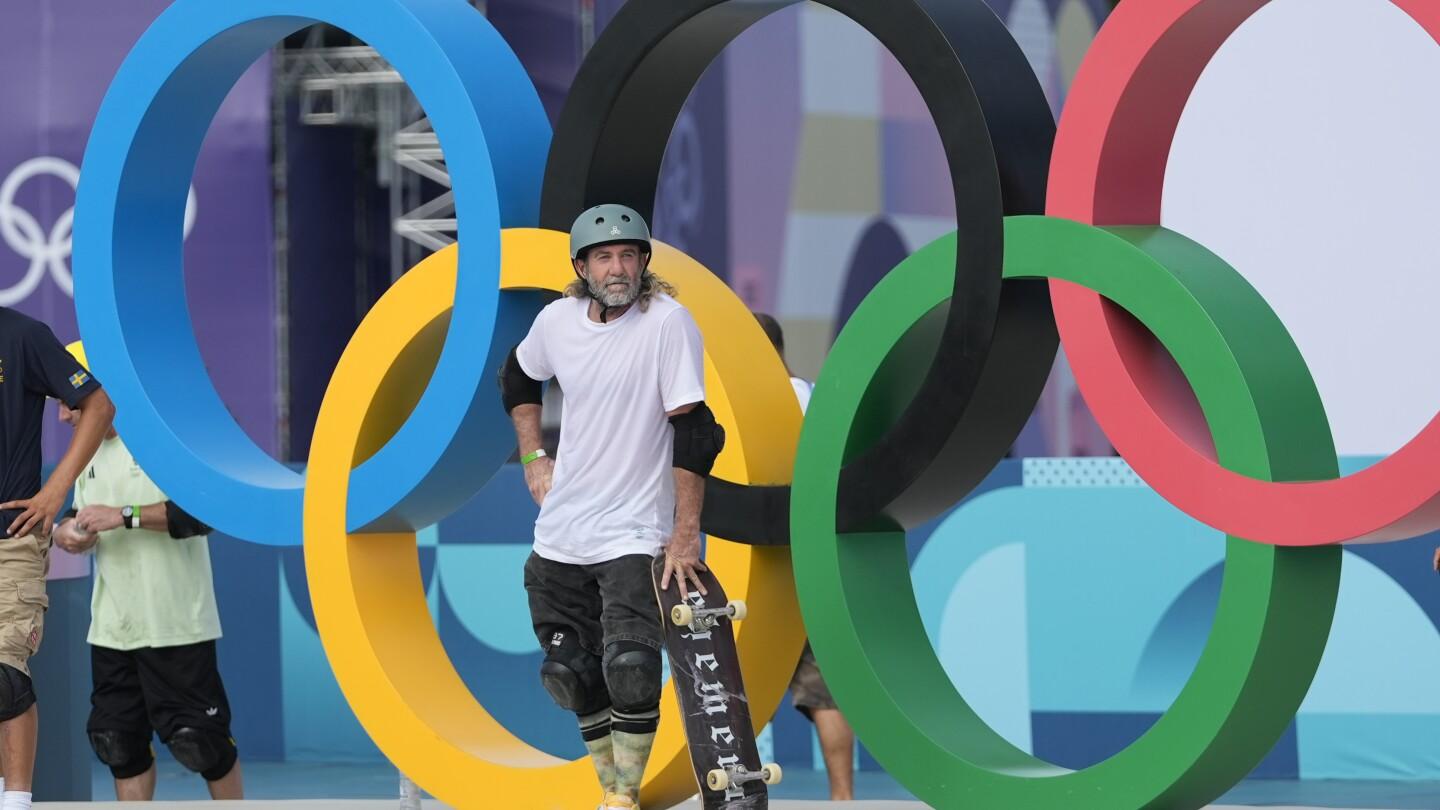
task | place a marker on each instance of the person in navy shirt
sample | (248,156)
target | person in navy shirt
(34,365)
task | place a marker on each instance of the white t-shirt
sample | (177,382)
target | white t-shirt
(614,488)
(802,388)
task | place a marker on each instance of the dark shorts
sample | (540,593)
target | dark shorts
(158,689)
(807,689)
(601,603)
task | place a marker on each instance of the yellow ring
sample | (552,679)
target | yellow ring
(366,588)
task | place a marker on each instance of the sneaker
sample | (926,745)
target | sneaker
(618,801)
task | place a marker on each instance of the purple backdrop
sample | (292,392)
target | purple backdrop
(58,57)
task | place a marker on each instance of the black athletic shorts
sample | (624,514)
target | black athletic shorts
(158,689)
(602,603)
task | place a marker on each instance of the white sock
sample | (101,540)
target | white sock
(2,788)
(16,800)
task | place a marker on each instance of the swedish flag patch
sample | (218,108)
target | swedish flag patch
(78,379)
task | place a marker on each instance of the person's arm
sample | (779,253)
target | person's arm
(522,377)
(96,413)
(682,551)
(162,516)
(177,522)
(539,469)
(698,440)
(155,516)
(68,536)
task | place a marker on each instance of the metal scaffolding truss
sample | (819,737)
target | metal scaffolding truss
(431,224)
(353,85)
(348,85)
(341,85)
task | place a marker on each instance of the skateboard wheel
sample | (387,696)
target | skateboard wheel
(771,774)
(717,779)
(682,615)
(738,610)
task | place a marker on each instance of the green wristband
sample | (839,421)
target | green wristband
(529,457)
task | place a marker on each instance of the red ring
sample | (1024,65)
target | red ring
(1109,169)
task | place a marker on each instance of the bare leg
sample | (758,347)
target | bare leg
(137,788)
(17,741)
(837,743)
(229,786)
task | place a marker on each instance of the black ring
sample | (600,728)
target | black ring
(996,129)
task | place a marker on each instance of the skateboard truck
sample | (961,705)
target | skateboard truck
(685,615)
(722,778)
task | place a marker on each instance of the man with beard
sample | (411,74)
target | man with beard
(636,442)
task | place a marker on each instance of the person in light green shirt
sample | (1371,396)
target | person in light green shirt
(153,626)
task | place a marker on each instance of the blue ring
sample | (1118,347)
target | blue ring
(137,328)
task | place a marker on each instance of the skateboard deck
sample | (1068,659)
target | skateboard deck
(705,670)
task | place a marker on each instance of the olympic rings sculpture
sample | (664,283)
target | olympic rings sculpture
(923,392)
(21,231)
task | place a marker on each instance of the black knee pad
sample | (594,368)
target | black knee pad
(632,674)
(573,676)
(128,754)
(208,753)
(17,693)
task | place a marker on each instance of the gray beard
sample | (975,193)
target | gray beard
(614,298)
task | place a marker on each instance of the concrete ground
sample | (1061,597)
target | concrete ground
(392,804)
(356,786)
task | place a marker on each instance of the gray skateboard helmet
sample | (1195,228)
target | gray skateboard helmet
(605,224)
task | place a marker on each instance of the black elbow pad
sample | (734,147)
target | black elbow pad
(698,439)
(516,387)
(181,524)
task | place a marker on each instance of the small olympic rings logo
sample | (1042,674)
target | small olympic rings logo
(23,234)
(922,393)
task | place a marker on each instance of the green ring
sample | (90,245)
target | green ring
(1276,604)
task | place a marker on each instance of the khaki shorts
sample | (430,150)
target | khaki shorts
(807,688)
(24,561)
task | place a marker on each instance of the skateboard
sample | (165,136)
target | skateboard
(705,669)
